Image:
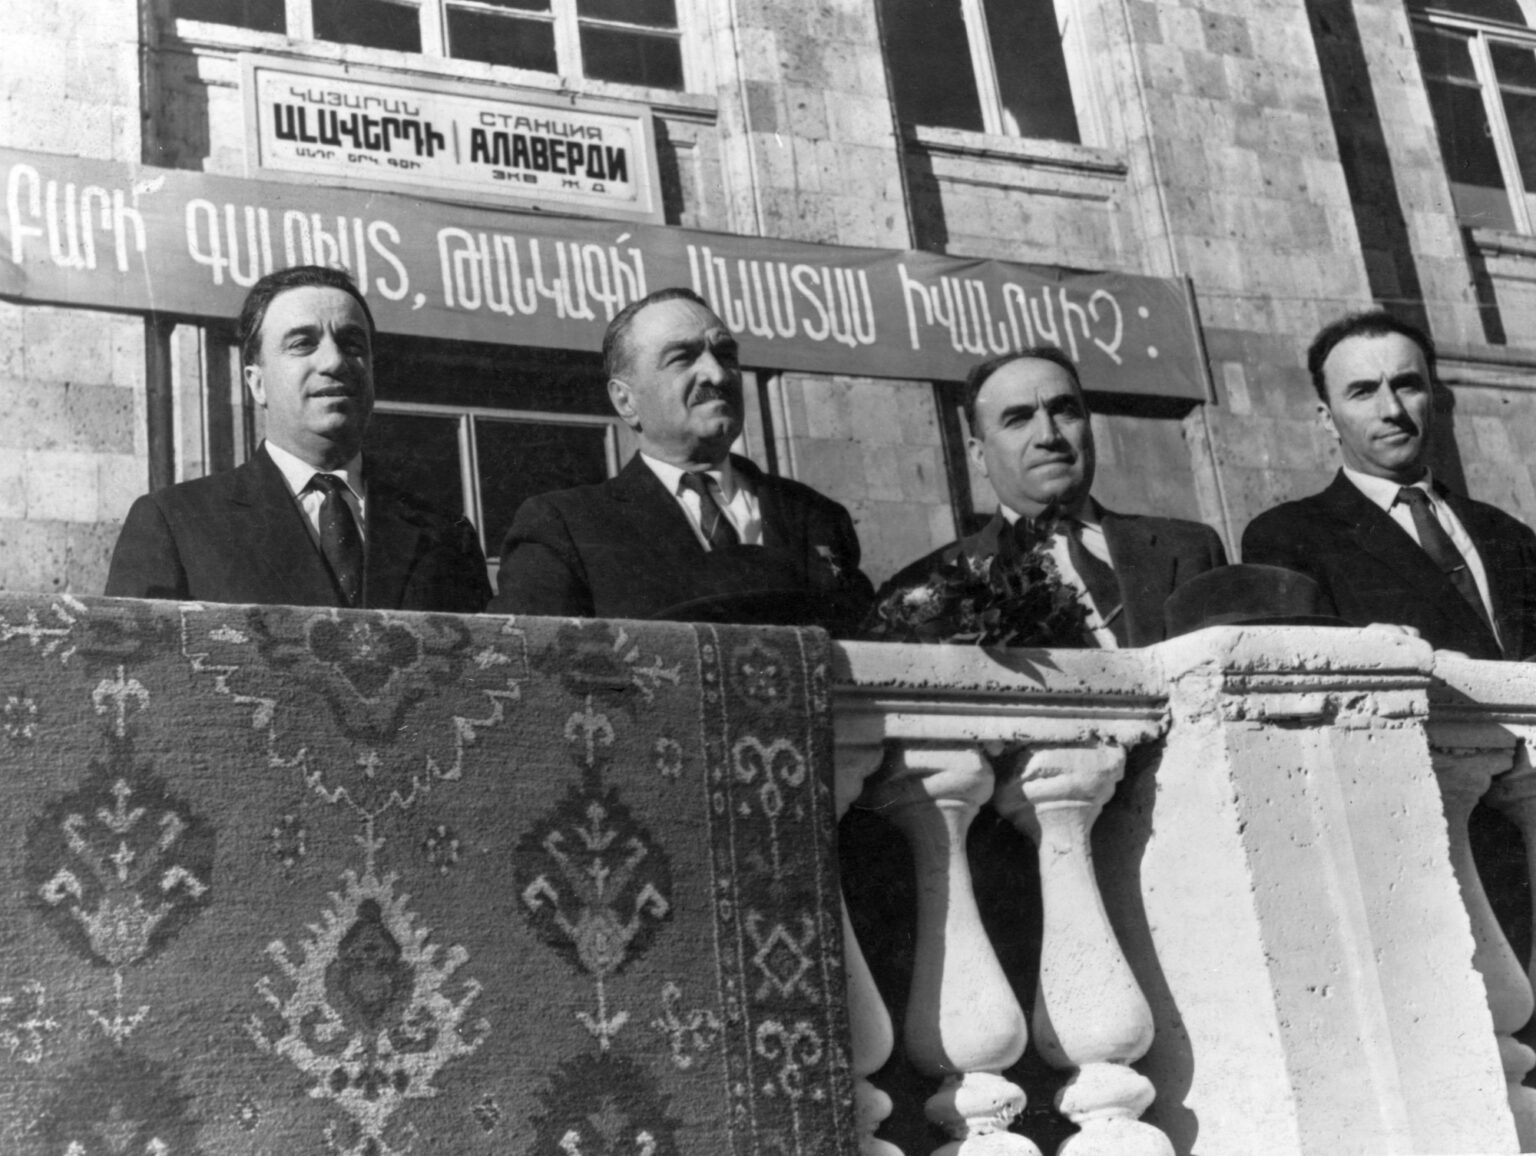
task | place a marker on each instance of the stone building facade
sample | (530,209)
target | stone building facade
(1286,162)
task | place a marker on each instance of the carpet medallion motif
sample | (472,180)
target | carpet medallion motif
(372,883)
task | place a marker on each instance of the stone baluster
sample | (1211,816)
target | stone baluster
(963,1025)
(1465,775)
(857,757)
(1090,1014)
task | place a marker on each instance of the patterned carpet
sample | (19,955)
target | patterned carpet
(299,881)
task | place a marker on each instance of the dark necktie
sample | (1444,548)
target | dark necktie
(340,541)
(1099,577)
(717,528)
(1441,550)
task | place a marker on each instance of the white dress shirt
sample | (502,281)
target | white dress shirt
(1383,492)
(1092,535)
(739,504)
(297,473)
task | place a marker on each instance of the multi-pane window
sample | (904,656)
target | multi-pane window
(627,41)
(481,428)
(1480,73)
(992,66)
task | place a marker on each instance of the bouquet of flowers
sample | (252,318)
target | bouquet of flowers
(1019,600)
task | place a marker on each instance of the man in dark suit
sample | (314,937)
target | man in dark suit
(686,530)
(1384,540)
(1031,437)
(303,522)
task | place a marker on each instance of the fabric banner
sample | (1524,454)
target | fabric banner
(139,239)
(297,880)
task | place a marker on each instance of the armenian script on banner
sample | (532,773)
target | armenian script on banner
(137,239)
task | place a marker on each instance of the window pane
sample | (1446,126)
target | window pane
(520,5)
(1466,140)
(420,454)
(1505,10)
(1031,69)
(1516,69)
(371,23)
(520,459)
(493,39)
(656,13)
(259,15)
(930,60)
(632,58)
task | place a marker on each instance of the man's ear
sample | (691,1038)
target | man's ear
(623,399)
(254,383)
(1325,415)
(977,452)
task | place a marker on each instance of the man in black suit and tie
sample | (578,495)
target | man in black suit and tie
(1031,437)
(686,530)
(1385,541)
(304,522)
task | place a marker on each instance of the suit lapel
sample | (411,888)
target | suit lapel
(651,512)
(1146,573)
(1379,536)
(393,544)
(1501,567)
(782,527)
(276,544)
(1382,538)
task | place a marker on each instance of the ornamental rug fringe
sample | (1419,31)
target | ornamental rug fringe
(285,881)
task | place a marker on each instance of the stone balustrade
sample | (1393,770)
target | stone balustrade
(1260,928)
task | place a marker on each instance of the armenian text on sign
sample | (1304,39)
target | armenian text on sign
(183,243)
(535,149)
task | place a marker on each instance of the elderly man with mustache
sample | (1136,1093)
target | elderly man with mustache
(1386,542)
(304,522)
(687,530)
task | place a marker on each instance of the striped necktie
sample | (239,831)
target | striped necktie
(717,528)
(340,540)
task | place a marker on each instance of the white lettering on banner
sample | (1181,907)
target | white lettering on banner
(238,243)
(485,271)
(1042,315)
(758,297)
(70,218)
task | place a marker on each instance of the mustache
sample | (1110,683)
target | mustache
(1404,423)
(707,393)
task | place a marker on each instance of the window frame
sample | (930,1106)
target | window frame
(563,15)
(994,116)
(469,458)
(1479,33)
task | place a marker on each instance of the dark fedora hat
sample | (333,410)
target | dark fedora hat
(1247,595)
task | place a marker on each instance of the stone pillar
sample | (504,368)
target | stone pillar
(1465,775)
(1296,920)
(963,1025)
(1090,1015)
(859,752)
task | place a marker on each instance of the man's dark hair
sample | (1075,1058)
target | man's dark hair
(979,375)
(1372,323)
(254,311)
(616,338)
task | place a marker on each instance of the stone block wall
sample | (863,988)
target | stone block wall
(72,441)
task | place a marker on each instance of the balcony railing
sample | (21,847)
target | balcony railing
(1262,929)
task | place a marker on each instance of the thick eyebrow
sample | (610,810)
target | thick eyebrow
(313,330)
(1407,377)
(1022,410)
(724,345)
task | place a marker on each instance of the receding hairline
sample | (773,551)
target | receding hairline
(977,379)
(616,339)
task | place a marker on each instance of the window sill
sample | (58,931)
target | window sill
(1059,155)
(1502,243)
(204,38)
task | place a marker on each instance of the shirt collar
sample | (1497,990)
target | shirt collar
(1087,513)
(297,472)
(724,475)
(1383,491)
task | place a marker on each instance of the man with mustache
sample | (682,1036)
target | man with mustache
(686,531)
(304,522)
(1032,438)
(1386,542)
